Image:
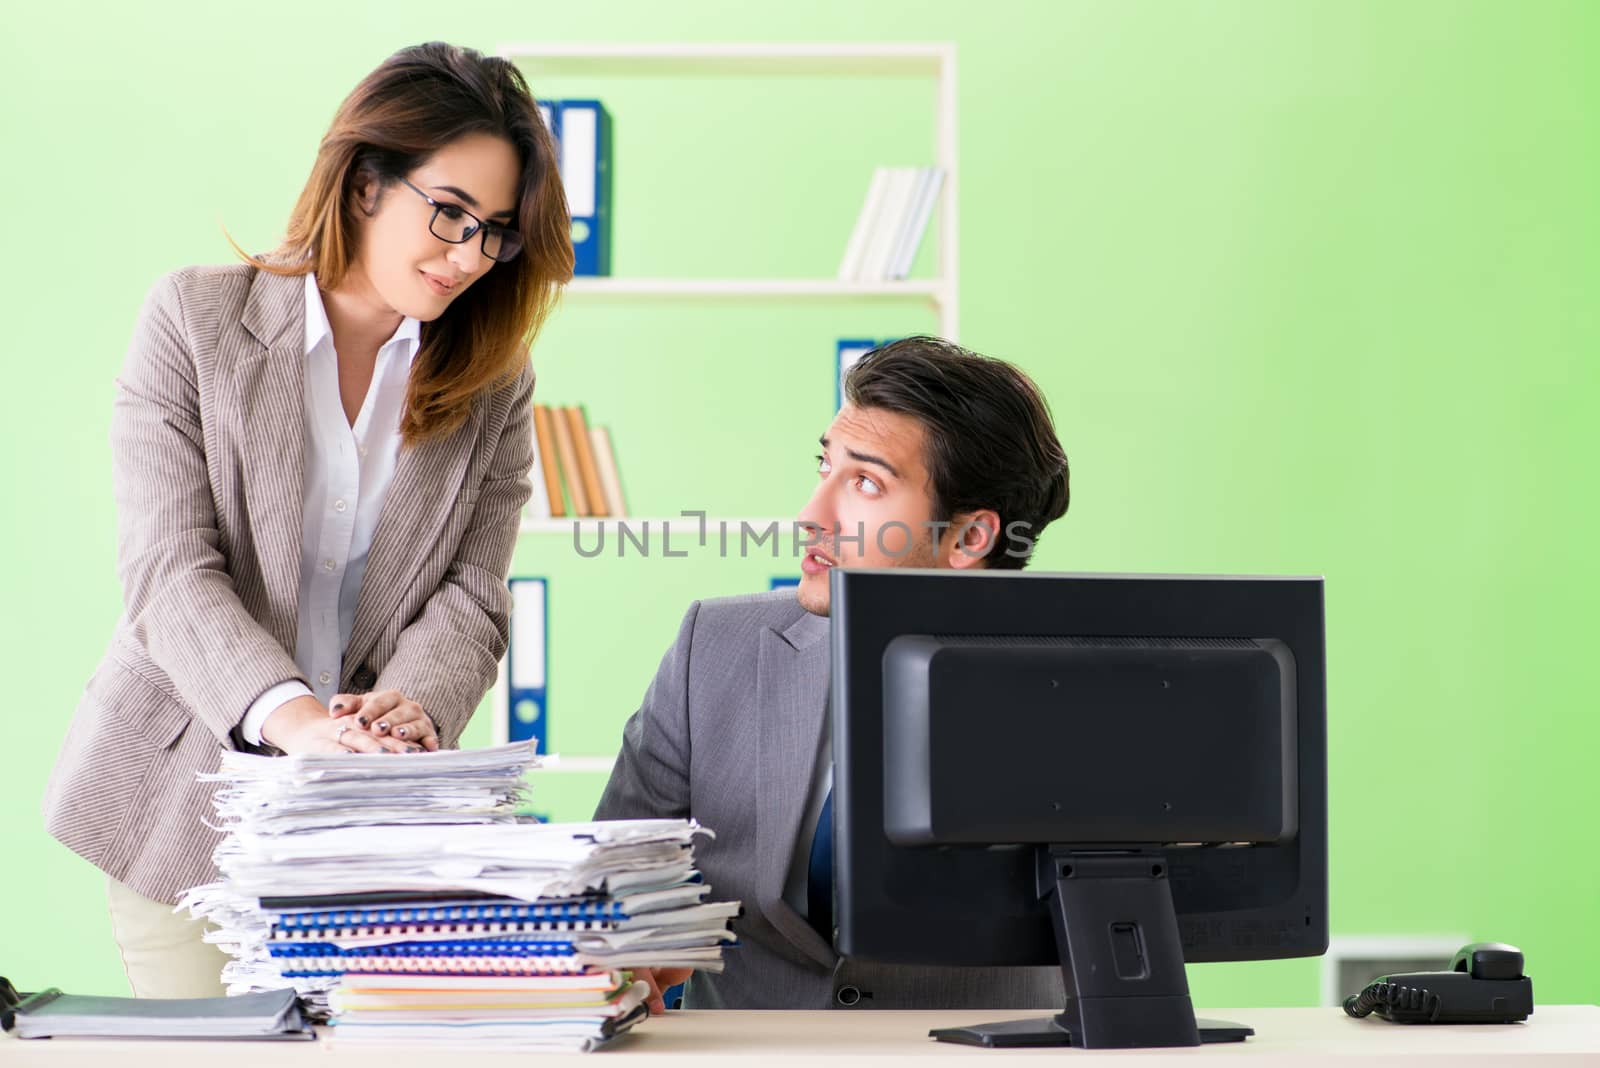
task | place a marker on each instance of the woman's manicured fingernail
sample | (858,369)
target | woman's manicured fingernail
(383,724)
(413,748)
(338,705)
(401,731)
(361,720)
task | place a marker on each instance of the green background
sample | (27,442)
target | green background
(1310,287)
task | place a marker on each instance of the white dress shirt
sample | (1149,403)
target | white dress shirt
(347,475)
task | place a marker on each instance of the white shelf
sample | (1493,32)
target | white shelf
(931,290)
(684,526)
(780,58)
(923,59)
(577,765)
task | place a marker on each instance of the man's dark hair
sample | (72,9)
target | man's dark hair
(990,440)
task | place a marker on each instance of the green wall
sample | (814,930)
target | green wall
(1309,285)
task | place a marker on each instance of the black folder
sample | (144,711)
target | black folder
(274,1014)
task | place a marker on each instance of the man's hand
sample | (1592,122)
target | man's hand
(303,726)
(661,980)
(390,715)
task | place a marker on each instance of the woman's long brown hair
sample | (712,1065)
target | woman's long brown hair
(419,100)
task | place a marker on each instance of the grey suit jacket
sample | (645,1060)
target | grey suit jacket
(728,734)
(207,464)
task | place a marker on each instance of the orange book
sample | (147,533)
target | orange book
(569,461)
(586,468)
(549,468)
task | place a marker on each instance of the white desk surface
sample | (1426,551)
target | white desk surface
(1555,1034)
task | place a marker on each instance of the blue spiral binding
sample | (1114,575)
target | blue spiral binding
(477,947)
(564,912)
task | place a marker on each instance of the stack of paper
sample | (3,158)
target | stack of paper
(471,924)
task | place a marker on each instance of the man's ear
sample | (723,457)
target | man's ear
(971,537)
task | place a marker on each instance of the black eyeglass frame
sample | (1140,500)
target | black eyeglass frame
(508,237)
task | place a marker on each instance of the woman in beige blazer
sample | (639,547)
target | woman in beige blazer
(319,457)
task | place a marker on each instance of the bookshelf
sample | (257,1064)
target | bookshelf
(932,60)
(936,60)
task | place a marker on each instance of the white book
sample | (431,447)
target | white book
(902,230)
(850,265)
(893,208)
(610,479)
(538,504)
(917,222)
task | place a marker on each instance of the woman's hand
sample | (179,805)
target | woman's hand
(390,716)
(304,726)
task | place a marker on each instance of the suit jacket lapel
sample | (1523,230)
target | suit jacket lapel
(269,384)
(427,485)
(791,696)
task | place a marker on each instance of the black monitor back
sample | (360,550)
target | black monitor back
(902,900)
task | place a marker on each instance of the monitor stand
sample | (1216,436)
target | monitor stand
(1121,960)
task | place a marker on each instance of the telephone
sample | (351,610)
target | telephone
(1485,984)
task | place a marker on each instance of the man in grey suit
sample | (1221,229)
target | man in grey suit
(939,458)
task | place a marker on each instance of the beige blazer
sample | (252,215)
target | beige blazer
(207,462)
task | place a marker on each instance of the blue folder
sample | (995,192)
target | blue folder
(527,659)
(584,130)
(846,353)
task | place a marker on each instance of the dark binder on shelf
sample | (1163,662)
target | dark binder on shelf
(527,678)
(585,134)
(846,352)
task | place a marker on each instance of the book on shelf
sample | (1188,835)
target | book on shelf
(549,469)
(577,466)
(538,506)
(567,450)
(914,225)
(606,461)
(890,226)
(587,471)
(856,247)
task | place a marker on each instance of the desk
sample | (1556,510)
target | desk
(1556,1035)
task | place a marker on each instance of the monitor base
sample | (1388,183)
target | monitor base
(1048,1031)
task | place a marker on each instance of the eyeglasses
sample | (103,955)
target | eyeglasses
(457,225)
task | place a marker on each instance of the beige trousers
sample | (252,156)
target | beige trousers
(161,949)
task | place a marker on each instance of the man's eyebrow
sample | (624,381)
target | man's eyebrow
(864,458)
(470,200)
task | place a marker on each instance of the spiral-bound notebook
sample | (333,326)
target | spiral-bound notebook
(467,957)
(460,912)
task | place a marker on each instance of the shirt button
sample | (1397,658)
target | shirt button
(338,505)
(324,678)
(328,564)
(363,450)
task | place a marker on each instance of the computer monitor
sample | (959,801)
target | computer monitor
(1116,774)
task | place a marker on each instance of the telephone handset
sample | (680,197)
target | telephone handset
(1485,984)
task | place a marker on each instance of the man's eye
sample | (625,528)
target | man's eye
(868,486)
(822,465)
